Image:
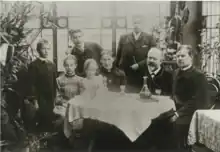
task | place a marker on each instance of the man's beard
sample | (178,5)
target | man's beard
(152,66)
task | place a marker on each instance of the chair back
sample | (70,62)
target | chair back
(213,89)
(214,81)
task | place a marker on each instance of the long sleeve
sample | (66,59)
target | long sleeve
(199,100)
(59,97)
(54,80)
(32,74)
(141,64)
(81,86)
(122,77)
(119,52)
(169,82)
(99,49)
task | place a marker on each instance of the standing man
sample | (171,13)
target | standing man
(42,84)
(84,50)
(189,94)
(133,48)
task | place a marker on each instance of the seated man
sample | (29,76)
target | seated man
(159,133)
(158,77)
(189,94)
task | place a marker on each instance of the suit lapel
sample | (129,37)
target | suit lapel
(131,38)
(159,73)
(140,37)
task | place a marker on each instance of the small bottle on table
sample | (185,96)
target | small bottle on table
(145,92)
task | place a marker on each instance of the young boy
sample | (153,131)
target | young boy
(41,84)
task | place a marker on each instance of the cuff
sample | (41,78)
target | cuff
(176,114)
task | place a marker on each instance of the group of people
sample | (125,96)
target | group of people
(89,70)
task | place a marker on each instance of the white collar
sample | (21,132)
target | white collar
(82,47)
(136,35)
(186,68)
(155,72)
(43,59)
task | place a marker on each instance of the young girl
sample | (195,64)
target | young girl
(93,84)
(68,85)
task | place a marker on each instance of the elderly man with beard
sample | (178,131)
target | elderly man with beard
(159,80)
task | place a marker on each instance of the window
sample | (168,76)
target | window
(211,13)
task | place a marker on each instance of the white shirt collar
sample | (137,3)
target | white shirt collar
(43,59)
(155,72)
(136,36)
(82,47)
(186,68)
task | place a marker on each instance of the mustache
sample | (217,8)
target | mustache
(151,64)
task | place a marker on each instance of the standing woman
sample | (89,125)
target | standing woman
(114,78)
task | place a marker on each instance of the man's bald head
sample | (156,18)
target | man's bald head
(154,58)
(156,53)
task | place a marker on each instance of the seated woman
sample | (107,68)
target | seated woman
(114,78)
(68,85)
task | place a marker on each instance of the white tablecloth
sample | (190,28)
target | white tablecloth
(129,113)
(205,129)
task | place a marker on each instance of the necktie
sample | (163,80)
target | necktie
(152,74)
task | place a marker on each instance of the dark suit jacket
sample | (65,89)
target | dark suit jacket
(170,65)
(128,49)
(162,80)
(91,50)
(189,93)
(115,78)
(42,83)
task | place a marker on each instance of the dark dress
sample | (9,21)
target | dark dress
(129,52)
(91,50)
(114,78)
(42,84)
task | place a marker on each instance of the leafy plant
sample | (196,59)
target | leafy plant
(209,48)
(14,34)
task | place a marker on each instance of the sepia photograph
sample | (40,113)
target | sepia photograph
(110,76)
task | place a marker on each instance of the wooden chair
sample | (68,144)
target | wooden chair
(213,90)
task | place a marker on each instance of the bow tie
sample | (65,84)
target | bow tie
(152,74)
